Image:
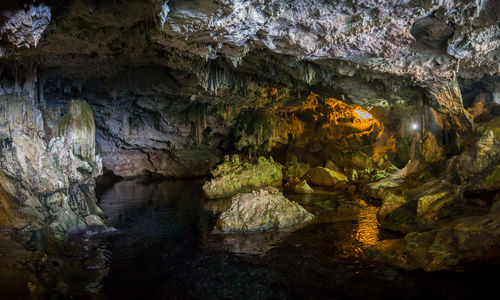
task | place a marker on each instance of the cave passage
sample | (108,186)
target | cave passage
(249,149)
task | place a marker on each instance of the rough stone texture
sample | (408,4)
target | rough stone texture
(150,69)
(265,209)
(373,34)
(44,180)
(24,27)
(474,166)
(78,128)
(234,176)
(447,221)
(326,177)
(458,242)
(431,150)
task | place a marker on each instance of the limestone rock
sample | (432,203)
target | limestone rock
(398,214)
(431,202)
(24,27)
(394,180)
(476,168)
(390,202)
(295,171)
(454,243)
(301,187)
(431,151)
(490,182)
(326,177)
(265,209)
(94,221)
(78,128)
(46,182)
(491,125)
(421,208)
(233,176)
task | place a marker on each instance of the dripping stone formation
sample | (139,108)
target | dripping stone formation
(390,106)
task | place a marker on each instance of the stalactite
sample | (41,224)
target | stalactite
(197,116)
(237,59)
(19,79)
(211,77)
(307,72)
(164,13)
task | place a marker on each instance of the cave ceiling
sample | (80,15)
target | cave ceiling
(196,45)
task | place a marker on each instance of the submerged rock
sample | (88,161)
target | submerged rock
(262,210)
(233,176)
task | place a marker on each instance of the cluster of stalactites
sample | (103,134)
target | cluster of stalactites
(197,116)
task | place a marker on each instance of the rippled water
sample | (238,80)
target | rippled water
(164,248)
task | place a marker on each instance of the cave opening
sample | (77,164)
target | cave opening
(249,149)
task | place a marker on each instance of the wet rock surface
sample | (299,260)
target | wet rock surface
(261,210)
(326,177)
(443,216)
(234,176)
(455,243)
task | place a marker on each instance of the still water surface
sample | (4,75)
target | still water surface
(164,248)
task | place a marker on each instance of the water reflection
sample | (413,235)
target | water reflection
(368,231)
(352,218)
(165,249)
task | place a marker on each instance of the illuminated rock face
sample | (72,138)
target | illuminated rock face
(234,176)
(326,177)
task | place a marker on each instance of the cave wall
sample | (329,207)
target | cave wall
(175,85)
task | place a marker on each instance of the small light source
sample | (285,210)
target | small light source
(363,115)
(414,126)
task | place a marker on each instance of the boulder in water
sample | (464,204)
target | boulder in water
(326,177)
(233,176)
(301,187)
(262,210)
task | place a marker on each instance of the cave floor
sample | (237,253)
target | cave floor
(164,247)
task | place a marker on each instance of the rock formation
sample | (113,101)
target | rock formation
(261,210)
(232,177)
(341,93)
(45,178)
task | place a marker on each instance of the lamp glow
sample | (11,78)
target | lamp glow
(363,115)
(414,126)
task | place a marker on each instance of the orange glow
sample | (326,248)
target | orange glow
(367,232)
(363,115)
(385,143)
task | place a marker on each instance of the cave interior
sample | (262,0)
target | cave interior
(269,124)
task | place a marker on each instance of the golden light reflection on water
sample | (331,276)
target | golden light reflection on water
(364,233)
(367,232)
